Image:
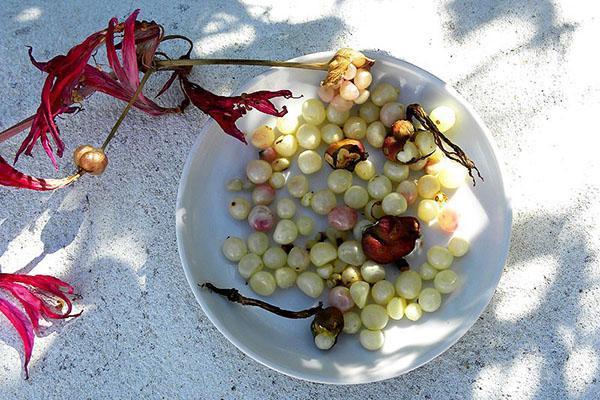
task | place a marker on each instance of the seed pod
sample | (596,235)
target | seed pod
(345,154)
(90,159)
(390,238)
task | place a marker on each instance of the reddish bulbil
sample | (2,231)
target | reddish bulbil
(261,218)
(340,298)
(448,220)
(391,147)
(390,238)
(269,154)
(263,194)
(342,218)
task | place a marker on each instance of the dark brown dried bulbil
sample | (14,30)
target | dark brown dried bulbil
(345,154)
(327,324)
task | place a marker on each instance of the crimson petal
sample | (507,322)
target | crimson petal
(126,73)
(9,176)
(34,293)
(227,110)
(64,72)
(23,327)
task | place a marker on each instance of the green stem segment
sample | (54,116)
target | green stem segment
(172,64)
(115,127)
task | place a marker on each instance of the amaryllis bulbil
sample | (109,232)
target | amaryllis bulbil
(326,327)
(41,297)
(90,159)
(390,238)
(340,63)
(345,154)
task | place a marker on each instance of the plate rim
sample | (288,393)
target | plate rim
(209,123)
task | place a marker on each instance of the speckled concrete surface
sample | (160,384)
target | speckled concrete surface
(527,66)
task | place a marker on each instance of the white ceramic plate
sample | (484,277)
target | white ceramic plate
(286,345)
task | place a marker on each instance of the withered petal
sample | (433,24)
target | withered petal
(34,292)
(23,327)
(227,110)
(9,176)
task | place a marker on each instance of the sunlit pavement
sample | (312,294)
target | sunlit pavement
(528,68)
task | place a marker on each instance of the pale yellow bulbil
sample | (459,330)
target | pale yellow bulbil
(322,253)
(310,284)
(286,145)
(249,264)
(444,117)
(313,111)
(263,283)
(287,124)
(439,257)
(458,246)
(262,137)
(352,323)
(374,316)
(371,340)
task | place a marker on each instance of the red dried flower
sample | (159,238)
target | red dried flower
(58,95)
(71,79)
(41,296)
(124,80)
(227,110)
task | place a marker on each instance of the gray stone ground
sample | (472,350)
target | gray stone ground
(530,69)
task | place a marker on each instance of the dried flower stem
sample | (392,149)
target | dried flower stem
(455,153)
(234,296)
(125,111)
(172,64)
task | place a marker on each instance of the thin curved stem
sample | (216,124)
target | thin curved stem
(172,64)
(115,127)
(234,296)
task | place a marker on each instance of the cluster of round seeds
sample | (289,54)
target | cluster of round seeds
(353,87)
(284,209)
